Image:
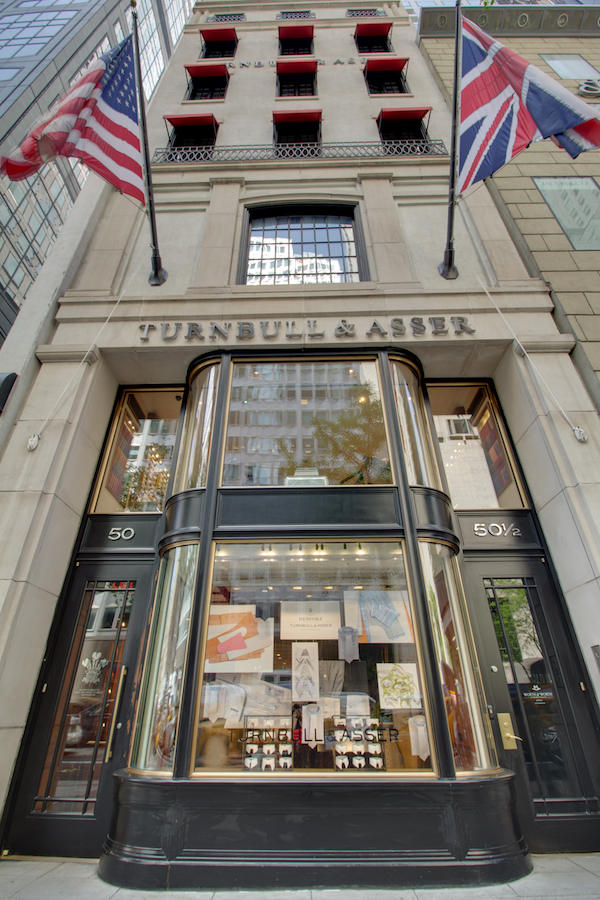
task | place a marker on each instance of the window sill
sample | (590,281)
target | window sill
(200,100)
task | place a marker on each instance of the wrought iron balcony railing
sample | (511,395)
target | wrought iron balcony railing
(370,150)
(227,17)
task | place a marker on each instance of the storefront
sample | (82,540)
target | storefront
(311,636)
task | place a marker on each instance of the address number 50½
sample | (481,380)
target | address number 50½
(121,534)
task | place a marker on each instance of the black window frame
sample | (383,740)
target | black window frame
(298,209)
(293,133)
(290,46)
(218,49)
(398,75)
(408,129)
(288,80)
(216,85)
(373,43)
(177,131)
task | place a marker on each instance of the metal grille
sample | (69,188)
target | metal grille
(355,13)
(227,17)
(305,150)
(296,14)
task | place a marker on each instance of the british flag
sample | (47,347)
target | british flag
(506,103)
(96,122)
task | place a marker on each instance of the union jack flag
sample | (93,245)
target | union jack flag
(506,103)
(96,122)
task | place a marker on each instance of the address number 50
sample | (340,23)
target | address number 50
(121,534)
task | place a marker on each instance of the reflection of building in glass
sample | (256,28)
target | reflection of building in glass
(42,43)
(288,418)
(304,249)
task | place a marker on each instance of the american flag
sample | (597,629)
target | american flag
(97,122)
(506,103)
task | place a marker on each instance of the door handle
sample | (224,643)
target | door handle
(115,716)
(509,738)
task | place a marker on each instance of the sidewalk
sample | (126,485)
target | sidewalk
(565,875)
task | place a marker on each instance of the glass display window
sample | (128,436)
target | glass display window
(474,447)
(304,424)
(156,728)
(311,662)
(470,735)
(137,464)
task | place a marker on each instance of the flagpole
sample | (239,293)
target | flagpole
(158,275)
(447,269)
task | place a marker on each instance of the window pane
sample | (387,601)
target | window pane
(476,458)
(421,467)
(154,746)
(471,739)
(576,204)
(193,456)
(309,249)
(141,453)
(570,65)
(338,434)
(311,661)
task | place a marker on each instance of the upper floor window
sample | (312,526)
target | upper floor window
(297,79)
(297,134)
(301,245)
(192,131)
(576,204)
(219,43)
(295,40)
(138,460)
(397,126)
(570,65)
(207,82)
(373,37)
(386,76)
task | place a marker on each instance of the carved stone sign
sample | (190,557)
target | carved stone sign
(293,330)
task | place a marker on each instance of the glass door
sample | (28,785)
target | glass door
(536,690)
(82,723)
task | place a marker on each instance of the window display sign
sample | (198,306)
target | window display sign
(310,620)
(398,686)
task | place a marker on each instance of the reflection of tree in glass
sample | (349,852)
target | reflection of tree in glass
(351,442)
(511,610)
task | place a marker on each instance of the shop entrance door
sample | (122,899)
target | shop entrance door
(82,719)
(539,706)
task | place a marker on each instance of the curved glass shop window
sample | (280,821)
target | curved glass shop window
(311,661)
(306,423)
(421,466)
(138,462)
(193,456)
(474,448)
(156,728)
(463,693)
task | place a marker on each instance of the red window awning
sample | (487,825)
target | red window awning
(370,29)
(309,115)
(206,69)
(293,67)
(218,34)
(393,64)
(179,120)
(296,31)
(413,112)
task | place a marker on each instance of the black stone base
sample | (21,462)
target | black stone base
(300,833)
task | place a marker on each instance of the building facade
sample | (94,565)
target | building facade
(43,50)
(300,547)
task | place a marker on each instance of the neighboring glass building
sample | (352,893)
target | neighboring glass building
(33,35)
